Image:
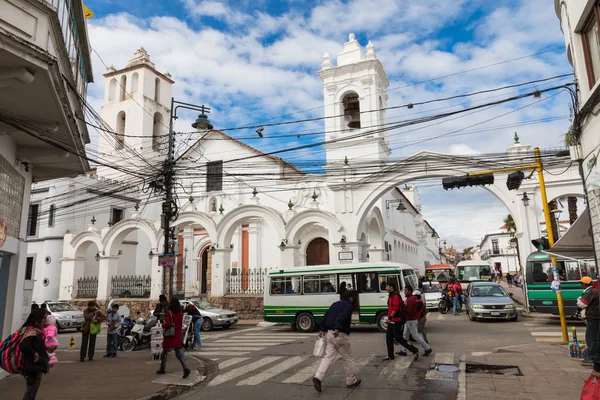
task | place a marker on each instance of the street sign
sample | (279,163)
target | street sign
(167,260)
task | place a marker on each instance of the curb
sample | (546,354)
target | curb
(462,379)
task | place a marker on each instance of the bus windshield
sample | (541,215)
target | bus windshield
(440,275)
(470,273)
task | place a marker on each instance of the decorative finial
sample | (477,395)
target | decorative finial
(254,192)
(290,204)
(221,209)
(137,207)
(93,220)
(370,50)
(346,162)
(214,206)
(315,196)
(516,138)
(351,37)
(110,223)
(326,61)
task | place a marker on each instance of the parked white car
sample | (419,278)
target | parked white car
(432,294)
(67,315)
(213,316)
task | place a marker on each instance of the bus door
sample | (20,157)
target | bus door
(370,303)
(348,282)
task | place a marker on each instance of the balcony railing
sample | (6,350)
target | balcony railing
(497,253)
(251,281)
(87,288)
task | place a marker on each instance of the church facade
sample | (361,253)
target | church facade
(241,212)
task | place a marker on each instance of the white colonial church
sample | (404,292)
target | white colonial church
(240,211)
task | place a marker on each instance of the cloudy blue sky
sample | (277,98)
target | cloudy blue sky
(257,61)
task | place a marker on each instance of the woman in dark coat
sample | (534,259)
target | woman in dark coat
(174,317)
(33,350)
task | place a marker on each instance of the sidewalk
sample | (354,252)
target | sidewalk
(517,292)
(548,373)
(128,376)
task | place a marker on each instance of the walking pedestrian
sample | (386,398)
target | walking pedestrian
(455,289)
(396,321)
(509,280)
(422,317)
(197,319)
(589,302)
(414,308)
(173,319)
(92,320)
(113,320)
(335,325)
(33,352)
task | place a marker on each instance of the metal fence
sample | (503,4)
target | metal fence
(130,286)
(87,288)
(250,281)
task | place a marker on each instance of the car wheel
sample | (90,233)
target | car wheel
(305,322)
(381,321)
(472,317)
(128,344)
(227,326)
(515,318)
(207,325)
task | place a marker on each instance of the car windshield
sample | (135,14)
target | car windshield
(204,305)
(433,288)
(61,307)
(488,291)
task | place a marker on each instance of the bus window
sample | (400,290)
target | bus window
(572,271)
(314,284)
(346,283)
(589,269)
(384,279)
(367,282)
(288,285)
(542,272)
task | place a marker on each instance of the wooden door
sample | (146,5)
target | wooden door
(317,252)
(204,272)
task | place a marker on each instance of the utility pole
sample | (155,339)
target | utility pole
(170,210)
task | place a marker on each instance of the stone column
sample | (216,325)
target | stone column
(107,269)
(156,278)
(221,263)
(71,269)
(254,245)
(348,254)
(289,256)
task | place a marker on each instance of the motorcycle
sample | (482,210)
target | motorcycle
(139,336)
(445,303)
(124,330)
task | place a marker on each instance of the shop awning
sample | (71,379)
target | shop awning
(578,239)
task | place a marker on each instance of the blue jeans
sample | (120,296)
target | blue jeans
(197,338)
(455,305)
(112,339)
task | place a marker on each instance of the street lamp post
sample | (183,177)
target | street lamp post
(169,206)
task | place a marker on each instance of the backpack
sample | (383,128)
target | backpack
(10,353)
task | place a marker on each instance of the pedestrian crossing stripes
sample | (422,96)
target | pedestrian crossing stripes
(231,362)
(237,372)
(542,334)
(271,372)
(305,373)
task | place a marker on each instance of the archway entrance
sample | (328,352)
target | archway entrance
(317,252)
(204,271)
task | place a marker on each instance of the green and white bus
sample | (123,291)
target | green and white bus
(539,276)
(473,271)
(302,295)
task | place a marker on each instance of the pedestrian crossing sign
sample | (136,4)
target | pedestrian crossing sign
(88,13)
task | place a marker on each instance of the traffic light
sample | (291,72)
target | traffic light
(514,180)
(541,243)
(466,180)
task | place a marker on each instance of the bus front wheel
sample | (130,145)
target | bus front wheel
(305,322)
(382,322)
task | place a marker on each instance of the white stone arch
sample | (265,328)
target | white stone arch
(396,174)
(82,241)
(296,225)
(198,218)
(117,233)
(376,229)
(233,219)
(112,90)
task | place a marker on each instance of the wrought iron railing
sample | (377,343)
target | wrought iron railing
(130,286)
(245,281)
(87,288)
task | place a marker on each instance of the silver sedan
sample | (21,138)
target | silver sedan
(488,300)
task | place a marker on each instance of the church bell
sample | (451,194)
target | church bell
(352,110)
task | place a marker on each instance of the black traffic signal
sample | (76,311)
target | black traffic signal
(457,182)
(514,180)
(541,243)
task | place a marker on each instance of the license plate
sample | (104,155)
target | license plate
(495,313)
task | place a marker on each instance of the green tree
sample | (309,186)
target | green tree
(511,228)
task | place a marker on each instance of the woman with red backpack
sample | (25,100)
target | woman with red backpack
(33,350)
